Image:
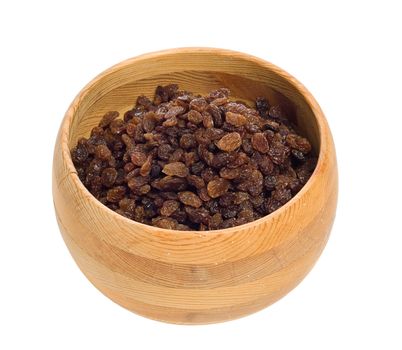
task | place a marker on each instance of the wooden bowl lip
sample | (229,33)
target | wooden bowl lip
(323,130)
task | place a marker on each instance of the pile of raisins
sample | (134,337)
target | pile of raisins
(188,162)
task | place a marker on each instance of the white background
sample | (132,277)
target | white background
(348,54)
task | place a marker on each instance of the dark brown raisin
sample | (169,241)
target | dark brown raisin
(198,216)
(167,223)
(170,183)
(116,194)
(102,152)
(207,120)
(217,187)
(298,143)
(169,207)
(229,174)
(262,106)
(194,117)
(138,158)
(109,176)
(196,181)
(189,198)
(108,118)
(188,141)
(260,143)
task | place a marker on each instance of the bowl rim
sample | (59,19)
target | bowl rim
(323,131)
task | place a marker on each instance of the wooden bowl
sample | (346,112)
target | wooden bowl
(194,277)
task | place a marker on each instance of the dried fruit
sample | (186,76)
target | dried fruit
(169,207)
(175,169)
(138,158)
(262,106)
(108,118)
(102,152)
(189,198)
(298,143)
(217,187)
(188,141)
(229,142)
(115,194)
(186,162)
(194,117)
(260,142)
(236,119)
(109,176)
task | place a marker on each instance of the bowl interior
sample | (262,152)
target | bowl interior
(200,72)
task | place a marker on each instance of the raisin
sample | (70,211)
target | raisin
(199,104)
(197,167)
(102,152)
(108,118)
(217,187)
(165,151)
(170,183)
(188,141)
(229,142)
(148,122)
(194,117)
(138,158)
(203,194)
(282,195)
(190,158)
(167,223)
(175,169)
(216,221)
(276,112)
(169,207)
(227,199)
(208,174)
(170,122)
(116,194)
(298,156)
(260,143)
(196,181)
(262,106)
(270,182)
(144,101)
(135,183)
(221,159)
(146,166)
(247,147)
(198,216)
(236,119)
(189,198)
(229,174)
(117,126)
(109,176)
(216,115)
(278,153)
(176,155)
(207,120)
(229,211)
(80,154)
(127,205)
(298,143)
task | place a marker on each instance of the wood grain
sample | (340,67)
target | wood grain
(194,277)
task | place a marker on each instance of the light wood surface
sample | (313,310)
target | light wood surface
(194,277)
